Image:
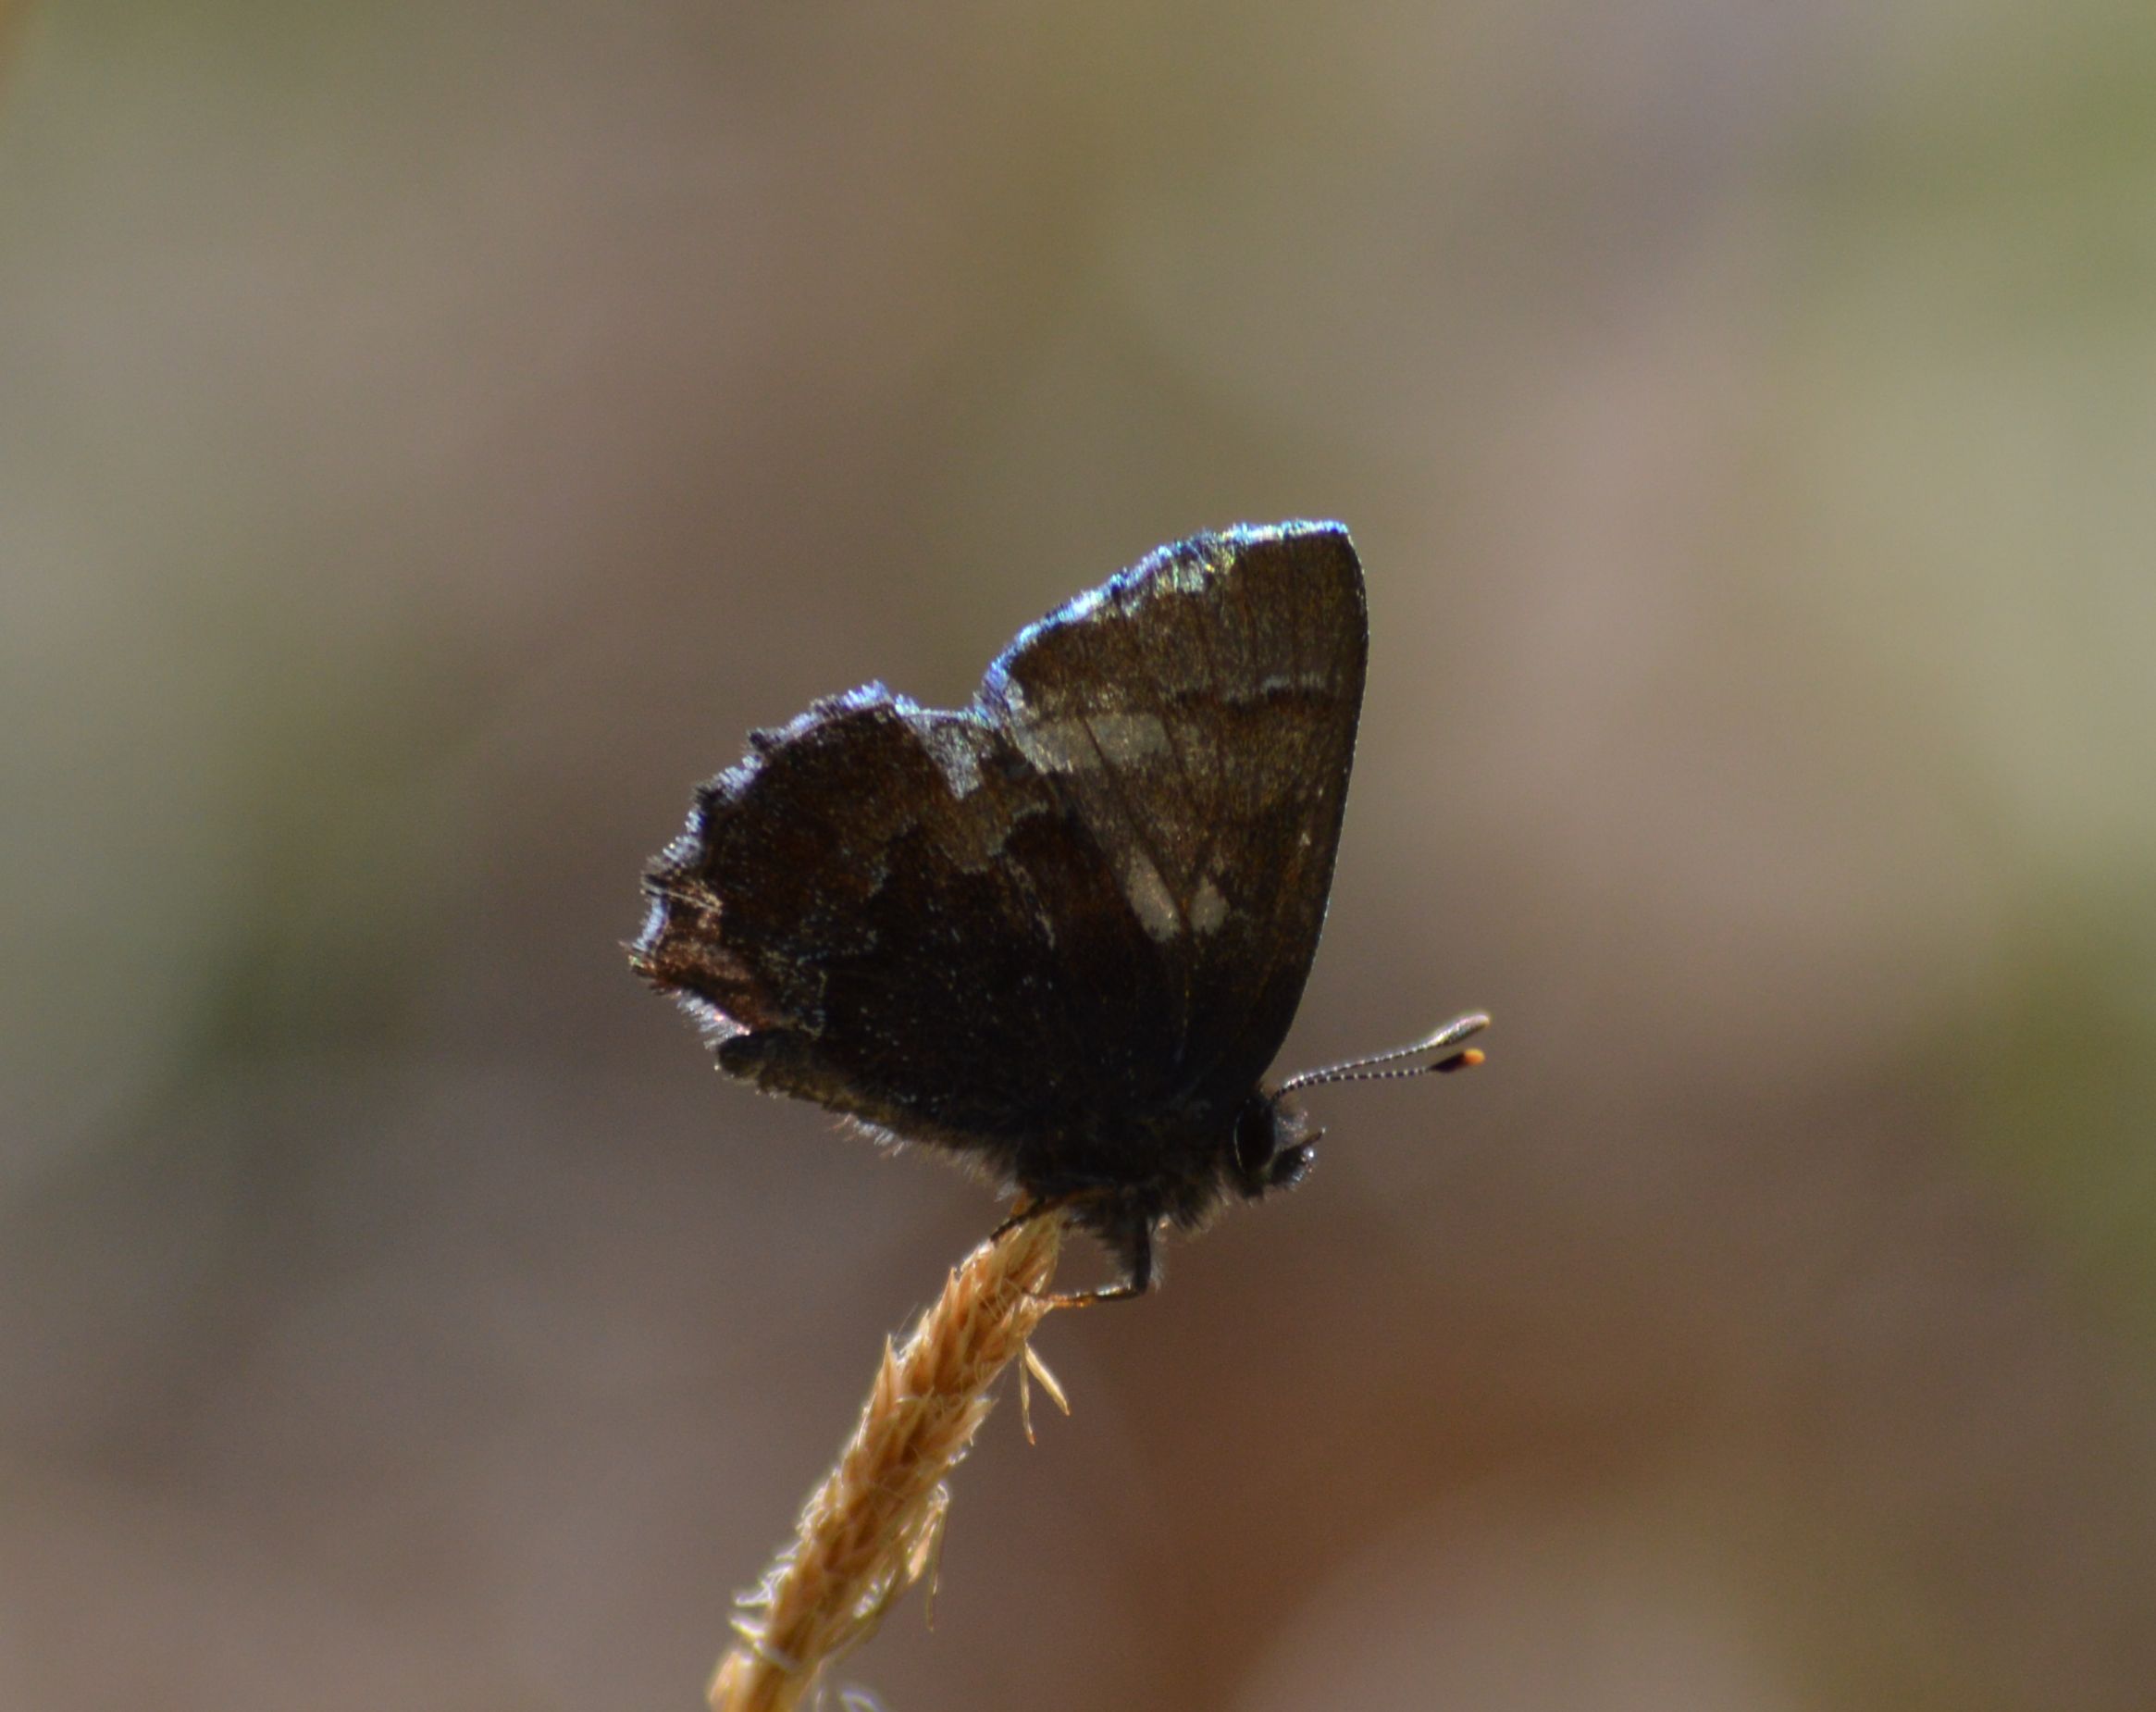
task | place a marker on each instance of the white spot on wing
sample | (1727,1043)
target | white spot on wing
(1310,677)
(1079,744)
(950,747)
(1209,909)
(1125,737)
(1150,898)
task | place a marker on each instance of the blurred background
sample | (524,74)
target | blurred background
(430,434)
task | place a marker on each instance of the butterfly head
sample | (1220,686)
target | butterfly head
(1274,1145)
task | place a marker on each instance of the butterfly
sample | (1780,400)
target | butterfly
(1061,931)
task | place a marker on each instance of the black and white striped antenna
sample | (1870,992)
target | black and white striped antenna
(1440,1049)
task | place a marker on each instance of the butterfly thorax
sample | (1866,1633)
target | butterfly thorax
(1181,1167)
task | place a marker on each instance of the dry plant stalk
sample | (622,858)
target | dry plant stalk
(869,1530)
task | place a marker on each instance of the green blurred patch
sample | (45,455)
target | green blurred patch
(2062,1090)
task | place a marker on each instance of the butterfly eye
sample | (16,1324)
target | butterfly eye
(1257,1138)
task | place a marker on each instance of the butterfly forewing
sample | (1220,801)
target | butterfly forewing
(1198,714)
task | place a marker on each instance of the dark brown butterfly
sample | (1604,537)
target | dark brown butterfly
(1062,931)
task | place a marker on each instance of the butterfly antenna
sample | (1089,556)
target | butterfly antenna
(1440,1049)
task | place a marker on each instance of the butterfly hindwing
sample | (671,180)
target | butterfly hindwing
(886,892)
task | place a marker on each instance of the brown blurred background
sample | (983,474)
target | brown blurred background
(431,434)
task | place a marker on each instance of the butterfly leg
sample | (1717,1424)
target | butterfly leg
(1137,1260)
(1028,1211)
(1132,1243)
